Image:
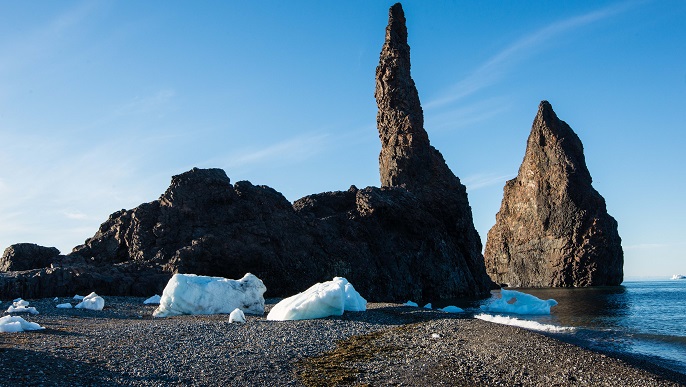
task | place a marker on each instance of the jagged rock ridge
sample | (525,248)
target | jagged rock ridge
(553,228)
(413,238)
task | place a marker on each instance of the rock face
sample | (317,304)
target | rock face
(553,228)
(408,160)
(413,238)
(27,256)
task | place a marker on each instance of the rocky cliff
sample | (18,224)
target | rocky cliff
(407,158)
(413,238)
(553,228)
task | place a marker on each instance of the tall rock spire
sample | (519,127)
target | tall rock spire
(553,228)
(405,150)
(408,160)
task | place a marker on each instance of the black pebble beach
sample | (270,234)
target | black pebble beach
(387,345)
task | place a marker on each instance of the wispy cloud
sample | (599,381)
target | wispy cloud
(293,150)
(75,215)
(52,193)
(647,246)
(493,69)
(146,104)
(483,180)
(467,115)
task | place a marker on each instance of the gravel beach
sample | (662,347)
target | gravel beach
(387,345)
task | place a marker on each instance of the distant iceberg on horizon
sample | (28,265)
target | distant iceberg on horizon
(678,276)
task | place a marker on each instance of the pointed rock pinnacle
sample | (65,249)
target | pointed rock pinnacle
(553,228)
(408,160)
(405,149)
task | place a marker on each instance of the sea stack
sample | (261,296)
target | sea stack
(553,228)
(408,160)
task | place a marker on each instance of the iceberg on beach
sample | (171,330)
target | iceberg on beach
(11,324)
(410,303)
(66,305)
(452,309)
(92,302)
(512,301)
(533,325)
(330,298)
(678,276)
(237,316)
(21,306)
(153,300)
(196,294)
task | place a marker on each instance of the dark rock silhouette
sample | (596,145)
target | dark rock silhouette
(553,228)
(413,238)
(27,256)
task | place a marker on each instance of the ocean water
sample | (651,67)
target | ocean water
(646,318)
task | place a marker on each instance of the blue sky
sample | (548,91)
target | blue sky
(101,102)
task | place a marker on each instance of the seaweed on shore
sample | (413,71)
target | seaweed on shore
(339,366)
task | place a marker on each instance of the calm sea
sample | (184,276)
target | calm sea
(646,318)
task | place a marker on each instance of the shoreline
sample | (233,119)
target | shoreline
(388,344)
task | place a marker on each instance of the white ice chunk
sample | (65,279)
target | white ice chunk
(427,306)
(56,299)
(678,276)
(533,325)
(452,309)
(22,309)
(21,306)
(512,301)
(410,303)
(64,306)
(195,294)
(92,302)
(353,301)
(330,298)
(153,300)
(19,302)
(237,316)
(17,324)
(79,298)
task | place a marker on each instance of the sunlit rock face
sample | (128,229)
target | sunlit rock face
(553,228)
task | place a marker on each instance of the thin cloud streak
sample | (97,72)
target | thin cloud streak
(296,149)
(649,246)
(75,215)
(148,104)
(493,70)
(468,115)
(47,184)
(479,181)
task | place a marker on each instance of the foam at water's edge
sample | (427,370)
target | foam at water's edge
(533,325)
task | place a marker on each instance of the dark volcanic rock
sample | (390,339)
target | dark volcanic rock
(411,239)
(27,256)
(553,228)
(205,225)
(408,160)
